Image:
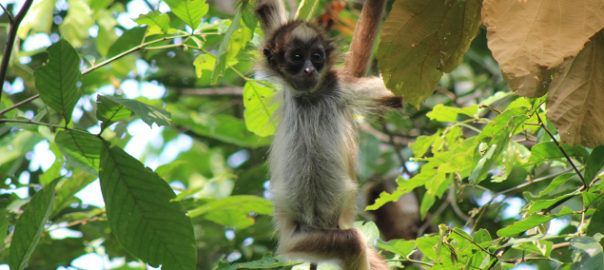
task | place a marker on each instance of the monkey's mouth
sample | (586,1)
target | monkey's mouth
(305,83)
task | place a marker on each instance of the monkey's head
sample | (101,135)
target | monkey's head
(300,53)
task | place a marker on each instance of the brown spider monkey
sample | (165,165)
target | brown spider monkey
(314,152)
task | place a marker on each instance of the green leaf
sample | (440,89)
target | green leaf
(141,214)
(401,247)
(305,9)
(596,223)
(38,19)
(76,24)
(444,113)
(16,147)
(128,40)
(496,135)
(56,81)
(555,184)
(81,149)
(68,187)
(428,245)
(539,205)
(29,226)
(223,127)
(190,11)
(3,226)
(421,144)
(587,253)
(427,201)
(158,23)
(259,108)
(204,62)
(437,34)
(594,163)
(110,111)
(221,55)
(149,114)
(549,150)
(234,210)
(523,225)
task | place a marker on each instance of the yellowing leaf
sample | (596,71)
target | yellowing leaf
(576,96)
(528,38)
(421,40)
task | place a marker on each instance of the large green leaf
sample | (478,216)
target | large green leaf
(587,253)
(234,210)
(549,150)
(398,246)
(110,111)
(259,108)
(421,40)
(594,163)
(149,114)
(596,223)
(30,225)
(141,214)
(444,113)
(56,81)
(190,11)
(81,149)
(158,23)
(523,225)
(129,39)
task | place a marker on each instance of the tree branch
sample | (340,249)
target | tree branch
(563,152)
(224,91)
(12,35)
(363,39)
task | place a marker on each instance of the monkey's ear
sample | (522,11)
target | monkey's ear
(271,15)
(329,46)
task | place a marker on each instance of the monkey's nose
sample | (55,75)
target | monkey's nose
(308,70)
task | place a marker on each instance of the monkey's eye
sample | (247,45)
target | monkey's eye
(317,57)
(297,57)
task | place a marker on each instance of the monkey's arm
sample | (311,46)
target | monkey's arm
(368,93)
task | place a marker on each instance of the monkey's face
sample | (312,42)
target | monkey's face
(304,62)
(300,54)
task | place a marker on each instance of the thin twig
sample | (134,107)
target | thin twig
(472,241)
(563,152)
(224,91)
(131,50)
(454,206)
(12,35)
(95,67)
(20,103)
(536,180)
(10,16)
(32,122)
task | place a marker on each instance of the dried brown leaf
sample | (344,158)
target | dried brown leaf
(421,39)
(530,37)
(576,96)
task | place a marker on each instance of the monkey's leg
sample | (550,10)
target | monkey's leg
(376,261)
(348,247)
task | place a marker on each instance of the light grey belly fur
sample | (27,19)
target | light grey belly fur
(310,167)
